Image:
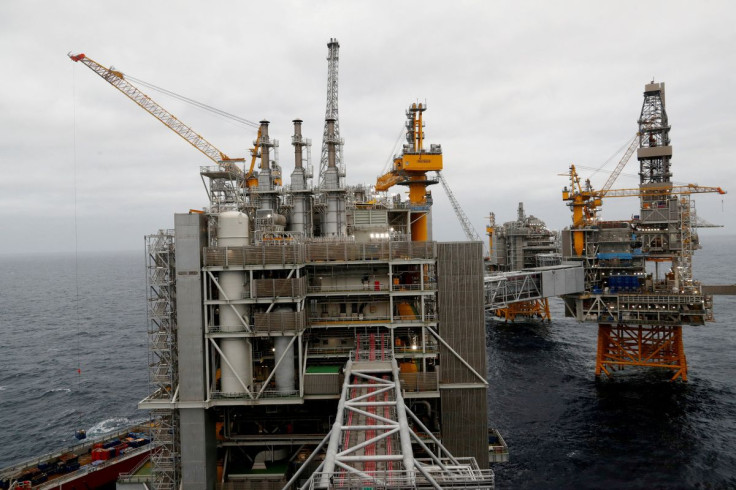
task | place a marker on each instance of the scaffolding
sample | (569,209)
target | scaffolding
(688,239)
(162,356)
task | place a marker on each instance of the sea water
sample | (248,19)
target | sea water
(73,348)
(564,428)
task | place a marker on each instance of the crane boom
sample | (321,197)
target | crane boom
(470,232)
(117,80)
(389,179)
(661,190)
(621,164)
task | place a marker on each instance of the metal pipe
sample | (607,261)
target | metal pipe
(375,457)
(428,477)
(319,468)
(306,463)
(459,357)
(363,474)
(405,437)
(431,436)
(434,457)
(371,415)
(344,454)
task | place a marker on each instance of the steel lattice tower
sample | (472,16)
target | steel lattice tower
(654,143)
(331,112)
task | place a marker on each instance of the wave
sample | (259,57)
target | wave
(108,425)
(67,390)
(55,390)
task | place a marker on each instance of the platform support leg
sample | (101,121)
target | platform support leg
(652,346)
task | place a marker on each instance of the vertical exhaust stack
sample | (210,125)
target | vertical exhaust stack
(265,183)
(268,221)
(331,177)
(298,176)
(334,220)
(300,219)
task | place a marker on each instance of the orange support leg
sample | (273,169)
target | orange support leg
(538,308)
(654,346)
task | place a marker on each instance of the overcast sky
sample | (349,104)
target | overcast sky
(517,91)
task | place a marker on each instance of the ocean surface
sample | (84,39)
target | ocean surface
(47,336)
(564,429)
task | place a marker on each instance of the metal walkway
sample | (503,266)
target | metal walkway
(505,288)
(371,442)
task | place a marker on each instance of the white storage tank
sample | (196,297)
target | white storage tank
(233,231)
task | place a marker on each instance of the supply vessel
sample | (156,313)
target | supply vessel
(93,463)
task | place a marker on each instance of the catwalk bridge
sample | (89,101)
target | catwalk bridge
(504,289)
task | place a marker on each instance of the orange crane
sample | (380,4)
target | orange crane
(118,80)
(585,201)
(490,231)
(410,169)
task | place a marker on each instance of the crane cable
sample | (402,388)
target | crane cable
(193,102)
(623,147)
(76,253)
(626,174)
(390,158)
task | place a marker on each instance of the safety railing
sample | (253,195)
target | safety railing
(454,476)
(348,288)
(418,382)
(291,254)
(279,321)
(284,288)
(322,383)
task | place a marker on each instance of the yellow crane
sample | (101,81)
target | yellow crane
(585,201)
(118,80)
(410,169)
(490,231)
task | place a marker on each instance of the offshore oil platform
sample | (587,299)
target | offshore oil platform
(637,281)
(523,244)
(639,285)
(312,335)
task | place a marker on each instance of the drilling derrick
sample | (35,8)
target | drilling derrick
(640,312)
(654,152)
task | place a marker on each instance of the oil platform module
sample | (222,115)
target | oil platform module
(525,244)
(313,336)
(639,285)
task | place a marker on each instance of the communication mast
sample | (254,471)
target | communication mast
(331,113)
